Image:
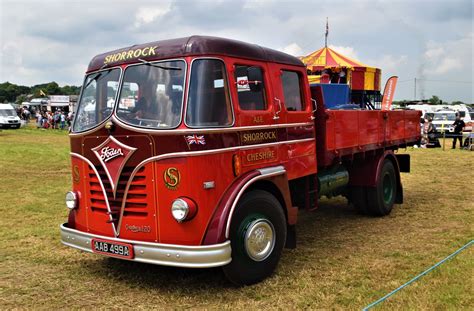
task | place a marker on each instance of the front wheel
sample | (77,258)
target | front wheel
(258,235)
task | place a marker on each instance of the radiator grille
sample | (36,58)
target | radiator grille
(136,204)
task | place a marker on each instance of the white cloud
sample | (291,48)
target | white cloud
(348,51)
(292,49)
(59,46)
(256,4)
(146,15)
(389,63)
(443,57)
(434,52)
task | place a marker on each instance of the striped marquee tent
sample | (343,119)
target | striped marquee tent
(327,61)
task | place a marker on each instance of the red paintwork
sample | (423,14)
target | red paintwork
(343,133)
(147,209)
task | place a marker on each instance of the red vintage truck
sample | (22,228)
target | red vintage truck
(197,152)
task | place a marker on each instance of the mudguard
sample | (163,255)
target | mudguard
(365,172)
(275,177)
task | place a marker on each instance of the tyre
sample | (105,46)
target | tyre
(380,199)
(359,199)
(258,235)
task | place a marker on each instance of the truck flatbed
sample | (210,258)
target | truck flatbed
(345,133)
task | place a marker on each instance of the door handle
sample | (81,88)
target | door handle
(315,106)
(278,101)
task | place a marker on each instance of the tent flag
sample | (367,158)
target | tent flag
(388,93)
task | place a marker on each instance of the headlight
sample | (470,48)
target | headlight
(183,209)
(71,200)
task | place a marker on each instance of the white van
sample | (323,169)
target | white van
(8,117)
(443,119)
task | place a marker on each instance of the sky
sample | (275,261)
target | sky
(432,41)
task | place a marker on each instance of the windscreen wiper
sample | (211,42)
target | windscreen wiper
(99,74)
(159,66)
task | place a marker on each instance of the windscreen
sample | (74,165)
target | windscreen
(152,94)
(449,116)
(7,113)
(97,100)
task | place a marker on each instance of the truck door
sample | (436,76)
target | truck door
(291,92)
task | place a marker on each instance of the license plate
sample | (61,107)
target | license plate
(116,249)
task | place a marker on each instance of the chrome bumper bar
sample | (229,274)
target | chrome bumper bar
(202,256)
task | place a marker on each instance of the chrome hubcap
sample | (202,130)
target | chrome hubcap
(259,239)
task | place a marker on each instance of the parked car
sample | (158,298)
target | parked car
(8,117)
(443,120)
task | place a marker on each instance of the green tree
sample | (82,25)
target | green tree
(70,90)
(434,100)
(20,99)
(9,91)
(52,88)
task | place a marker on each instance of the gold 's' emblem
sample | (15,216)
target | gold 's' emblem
(76,176)
(171,176)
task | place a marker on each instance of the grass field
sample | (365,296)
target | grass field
(343,260)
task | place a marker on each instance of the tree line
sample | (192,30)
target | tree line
(10,92)
(434,100)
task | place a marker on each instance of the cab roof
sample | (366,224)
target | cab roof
(190,46)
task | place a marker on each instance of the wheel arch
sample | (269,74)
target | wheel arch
(270,187)
(272,180)
(365,172)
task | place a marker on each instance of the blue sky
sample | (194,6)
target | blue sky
(42,41)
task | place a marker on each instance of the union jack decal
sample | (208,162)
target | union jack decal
(195,139)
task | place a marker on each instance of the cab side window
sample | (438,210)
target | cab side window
(249,99)
(291,84)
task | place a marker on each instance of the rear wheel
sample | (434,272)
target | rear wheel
(382,198)
(359,199)
(257,234)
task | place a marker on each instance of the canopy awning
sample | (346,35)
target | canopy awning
(328,58)
(359,75)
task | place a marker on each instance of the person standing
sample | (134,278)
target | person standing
(458,128)
(63,120)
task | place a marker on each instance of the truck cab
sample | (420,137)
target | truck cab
(172,138)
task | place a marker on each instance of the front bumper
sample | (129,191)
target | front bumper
(10,125)
(202,256)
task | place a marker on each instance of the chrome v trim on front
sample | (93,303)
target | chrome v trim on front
(202,256)
(109,211)
(194,154)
